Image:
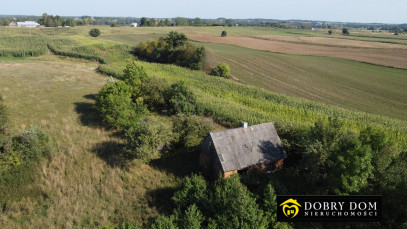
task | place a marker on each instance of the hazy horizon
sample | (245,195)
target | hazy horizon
(363,11)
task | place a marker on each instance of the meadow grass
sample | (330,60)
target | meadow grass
(87,182)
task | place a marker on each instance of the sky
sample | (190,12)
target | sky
(366,11)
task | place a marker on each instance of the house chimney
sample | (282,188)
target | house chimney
(244,124)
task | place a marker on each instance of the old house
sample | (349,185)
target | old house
(243,149)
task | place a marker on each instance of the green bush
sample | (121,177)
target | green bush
(31,145)
(146,139)
(114,101)
(94,32)
(191,130)
(225,204)
(224,33)
(222,70)
(153,92)
(181,100)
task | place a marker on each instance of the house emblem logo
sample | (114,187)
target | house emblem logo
(290,208)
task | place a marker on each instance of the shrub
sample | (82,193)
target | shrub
(330,32)
(153,92)
(114,24)
(224,33)
(94,32)
(345,31)
(28,147)
(192,130)
(148,137)
(114,101)
(222,70)
(180,99)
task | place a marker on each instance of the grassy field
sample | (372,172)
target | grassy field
(86,183)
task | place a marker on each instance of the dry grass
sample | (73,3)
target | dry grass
(392,55)
(87,183)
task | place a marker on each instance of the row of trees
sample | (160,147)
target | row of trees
(172,49)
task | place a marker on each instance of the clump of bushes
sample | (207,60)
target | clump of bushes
(94,32)
(123,105)
(191,130)
(224,33)
(172,49)
(146,139)
(222,70)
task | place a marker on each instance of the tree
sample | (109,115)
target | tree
(143,21)
(270,208)
(345,31)
(222,70)
(175,39)
(180,21)
(94,32)
(193,191)
(180,99)
(197,21)
(231,205)
(229,22)
(147,137)
(330,32)
(224,33)
(114,24)
(192,218)
(335,161)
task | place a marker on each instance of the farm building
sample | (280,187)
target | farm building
(25,24)
(243,149)
(133,25)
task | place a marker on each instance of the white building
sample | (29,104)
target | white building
(133,25)
(28,24)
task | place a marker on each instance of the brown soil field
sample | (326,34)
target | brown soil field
(393,55)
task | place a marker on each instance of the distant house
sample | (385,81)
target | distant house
(133,25)
(244,149)
(12,23)
(28,24)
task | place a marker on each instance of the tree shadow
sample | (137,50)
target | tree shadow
(161,199)
(179,161)
(112,153)
(88,114)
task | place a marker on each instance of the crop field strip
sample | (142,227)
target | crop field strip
(344,83)
(393,57)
